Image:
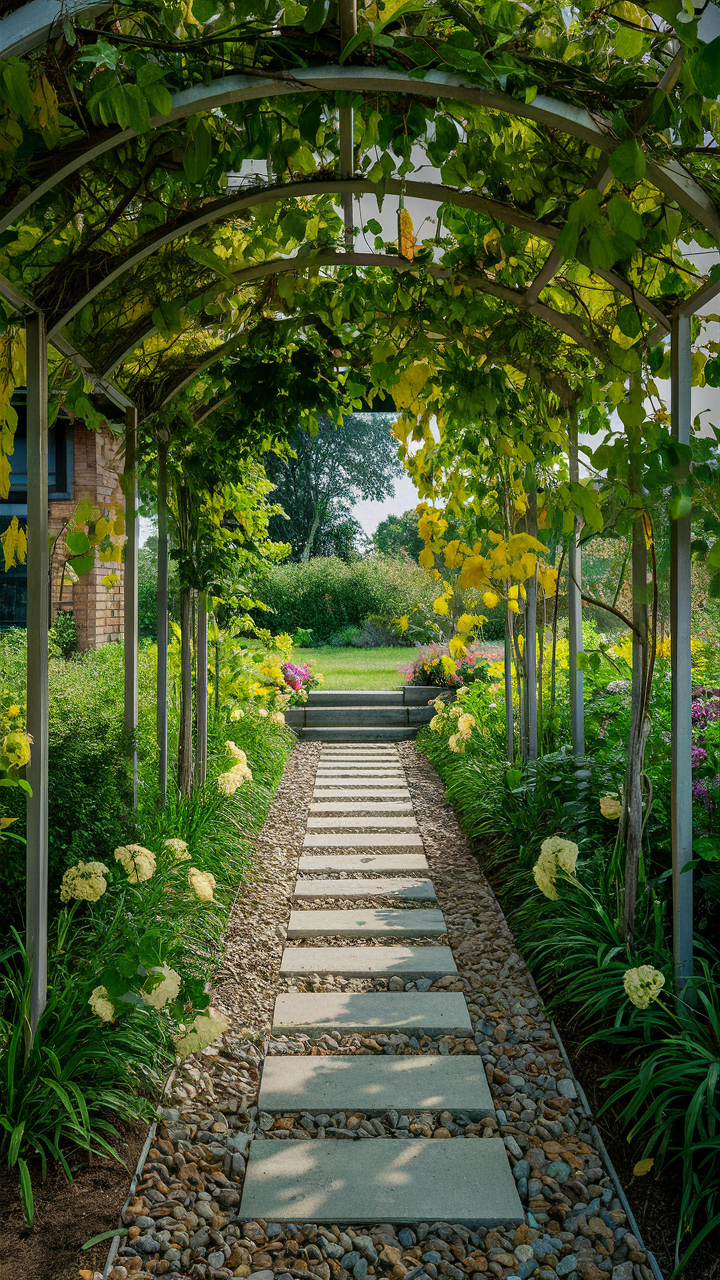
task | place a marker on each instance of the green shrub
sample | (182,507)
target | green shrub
(326,594)
(63,635)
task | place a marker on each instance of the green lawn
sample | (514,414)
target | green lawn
(358,668)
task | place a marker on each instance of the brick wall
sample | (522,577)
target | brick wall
(98,609)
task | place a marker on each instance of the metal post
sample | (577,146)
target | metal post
(201,691)
(130,487)
(348,28)
(680,630)
(37,661)
(509,718)
(162,623)
(531,631)
(575,636)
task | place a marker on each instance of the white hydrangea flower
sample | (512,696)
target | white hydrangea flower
(139,863)
(179,848)
(202,884)
(206,1028)
(643,985)
(101,1005)
(165,991)
(85,882)
(277,717)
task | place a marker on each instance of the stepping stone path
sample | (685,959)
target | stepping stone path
(390,1179)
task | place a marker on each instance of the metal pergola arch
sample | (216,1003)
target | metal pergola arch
(33,23)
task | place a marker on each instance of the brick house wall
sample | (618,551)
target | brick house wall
(98,609)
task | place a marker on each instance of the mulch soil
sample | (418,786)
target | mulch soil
(67,1214)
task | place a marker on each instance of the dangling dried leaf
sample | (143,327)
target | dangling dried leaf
(406,236)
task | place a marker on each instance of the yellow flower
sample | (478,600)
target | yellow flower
(14,710)
(236,713)
(466,724)
(277,717)
(178,848)
(513,606)
(85,881)
(202,884)
(456,647)
(610,807)
(101,1005)
(139,863)
(16,749)
(236,752)
(440,605)
(490,599)
(643,985)
(456,744)
(544,873)
(403,622)
(164,991)
(436,723)
(206,1028)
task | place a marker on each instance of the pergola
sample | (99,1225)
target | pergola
(96,299)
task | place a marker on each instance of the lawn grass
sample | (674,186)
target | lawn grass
(358,668)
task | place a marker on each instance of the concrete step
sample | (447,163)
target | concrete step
(362,748)
(382,790)
(363,840)
(340,717)
(370,962)
(355,698)
(370,733)
(377,1084)
(386,922)
(358,806)
(335,822)
(385,1180)
(433,1013)
(385,887)
(380,863)
(361,769)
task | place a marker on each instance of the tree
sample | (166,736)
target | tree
(399,533)
(329,473)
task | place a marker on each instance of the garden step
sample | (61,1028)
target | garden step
(355,698)
(394,863)
(363,840)
(433,1013)
(362,748)
(387,821)
(377,1084)
(384,789)
(360,769)
(366,733)
(385,922)
(386,1180)
(341,716)
(370,962)
(360,806)
(386,887)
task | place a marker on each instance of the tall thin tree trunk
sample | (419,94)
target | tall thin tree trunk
(311,536)
(531,626)
(553,663)
(201,692)
(509,717)
(185,752)
(541,664)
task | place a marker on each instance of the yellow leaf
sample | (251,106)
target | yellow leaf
(490,599)
(513,606)
(426,558)
(456,647)
(406,236)
(642,1167)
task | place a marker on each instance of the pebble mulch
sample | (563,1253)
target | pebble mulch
(184,1217)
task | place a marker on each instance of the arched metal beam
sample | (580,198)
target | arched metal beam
(278,266)
(232,205)
(672,179)
(34,23)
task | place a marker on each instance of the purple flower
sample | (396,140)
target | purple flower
(700,792)
(697,755)
(295,675)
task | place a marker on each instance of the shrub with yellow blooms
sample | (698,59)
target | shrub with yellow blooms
(102,1005)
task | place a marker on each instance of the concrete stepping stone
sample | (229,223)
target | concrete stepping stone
(334,822)
(385,887)
(359,840)
(395,863)
(385,922)
(361,791)
(434,1013)
(364,775)
(376,1084)
(361,806)
(370,962)
(386,1180)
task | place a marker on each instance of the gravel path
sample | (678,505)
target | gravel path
(183,1219)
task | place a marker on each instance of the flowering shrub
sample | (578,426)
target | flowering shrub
(435,665)
(300,678)
(556,854)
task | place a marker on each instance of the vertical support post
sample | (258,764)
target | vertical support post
(130,593)
(162,622)
(348,28)
(680,631)
(201,691)
(575,636)
(37,661)
(531,631)
(509,718)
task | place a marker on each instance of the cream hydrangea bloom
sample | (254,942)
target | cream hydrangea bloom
(206,1028)
(262,712)
(101,1005)
(456,744)
(610,806)
(556,854)
(139,863)
(165,991)
(202,883)
(236,752)
(436,723)
(179,848)
(277,717)
(466,724)
(456,710)
(85,882)
(643,985)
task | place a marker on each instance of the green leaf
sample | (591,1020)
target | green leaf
(208,258)
(705,69)
(628,162)
(629,322)
(294,13)
(198,153)
(680,505)
(138,110)
(204,10)
(316,15)
(77,543)
(82,564)
(160,98)
(26,1195)
(118,1231)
